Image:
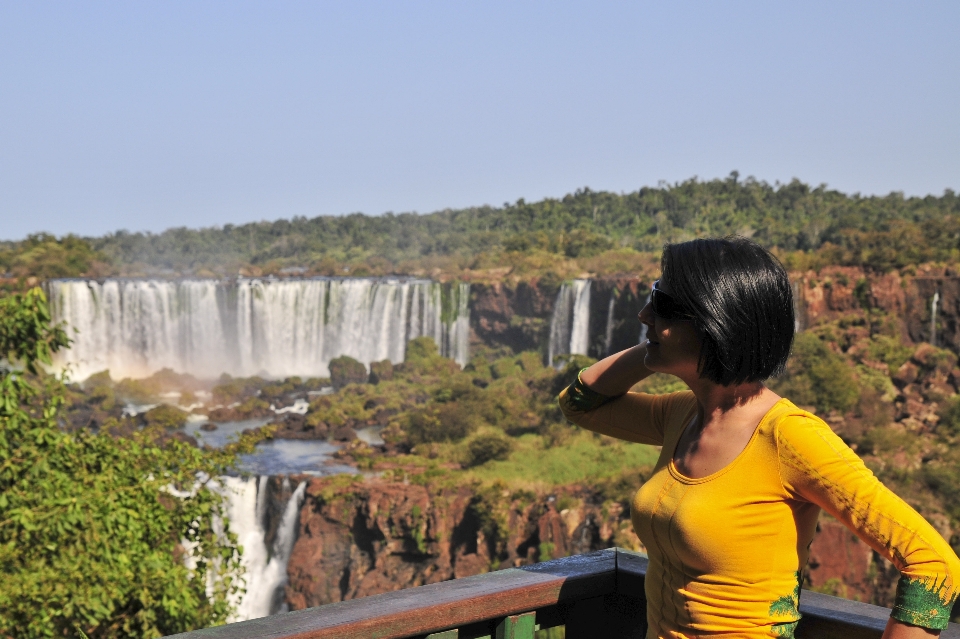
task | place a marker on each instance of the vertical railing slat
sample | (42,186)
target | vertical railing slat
(517,626)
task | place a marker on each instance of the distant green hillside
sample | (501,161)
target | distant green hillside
(815,225)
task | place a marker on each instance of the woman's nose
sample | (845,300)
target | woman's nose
(646,314)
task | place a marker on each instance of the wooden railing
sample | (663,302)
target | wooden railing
(594,596)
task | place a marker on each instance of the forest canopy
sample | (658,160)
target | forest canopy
(810,226)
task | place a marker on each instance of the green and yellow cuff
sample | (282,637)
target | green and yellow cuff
(577,398)
(923,604)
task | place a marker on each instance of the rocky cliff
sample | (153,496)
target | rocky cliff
(836,291)
(518,315)
(367,536)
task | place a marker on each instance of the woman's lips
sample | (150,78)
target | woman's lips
(650,342)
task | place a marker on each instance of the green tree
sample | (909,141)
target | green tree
(818,376)
(114,537)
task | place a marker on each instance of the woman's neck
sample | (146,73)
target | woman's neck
(717,403)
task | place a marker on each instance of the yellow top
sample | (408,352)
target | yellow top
(726,550)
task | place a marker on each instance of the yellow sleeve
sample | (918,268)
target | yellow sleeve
(816,466)
(634,417)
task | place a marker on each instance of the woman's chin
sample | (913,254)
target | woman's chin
(650,361)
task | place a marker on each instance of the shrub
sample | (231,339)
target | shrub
(166,417)
(231,390)
(446,422)
(346,370)
(818,376)
(950,417)
(488,447)
(381,371)
(96,528)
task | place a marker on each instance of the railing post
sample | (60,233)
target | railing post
(446,634)
(517,626)
(614,615)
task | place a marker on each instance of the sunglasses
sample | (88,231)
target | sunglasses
(666,307)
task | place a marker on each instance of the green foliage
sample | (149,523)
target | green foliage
(230,390)
(165,416)
(346,370)
(808,226)
(421,348)
(438,424)
(659,383)
(91,525)
(546,551)
(381,371)
(817,376)
(25,333)
(99,391)
(488,447)
(889,350)
(44,256)
(615,466)
(950,417)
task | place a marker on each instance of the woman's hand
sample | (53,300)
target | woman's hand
(615,375)
(899,630)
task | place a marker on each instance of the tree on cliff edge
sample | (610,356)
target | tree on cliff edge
(114,537)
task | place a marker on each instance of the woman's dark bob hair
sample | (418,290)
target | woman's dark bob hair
(742,304)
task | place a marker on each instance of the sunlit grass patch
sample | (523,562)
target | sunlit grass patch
(582,458)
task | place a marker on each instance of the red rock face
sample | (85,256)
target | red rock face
(837,290)
(842,565)
(375,536)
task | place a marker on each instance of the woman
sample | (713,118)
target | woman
(731,508)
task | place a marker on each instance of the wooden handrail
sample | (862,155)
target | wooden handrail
(599,594)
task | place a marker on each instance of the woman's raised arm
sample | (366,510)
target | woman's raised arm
(616,374)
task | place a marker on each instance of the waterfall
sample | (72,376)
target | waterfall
(570,324)
(797,305)
(608,334)
(580,332)
(265,569)
(457,342)
(933,317)
(276,328)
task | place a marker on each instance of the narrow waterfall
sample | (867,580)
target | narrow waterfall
(275,328)
(933,317)
(798,323)
(265,567)
(608,333)
(456,320)
(580,331)
(570,324)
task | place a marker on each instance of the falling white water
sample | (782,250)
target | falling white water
(570,324)
(458,324)
(797,306)
(580,333)
(277,328)
(933,317)
(608,334)
(265,569)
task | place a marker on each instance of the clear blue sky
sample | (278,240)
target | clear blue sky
(147,115)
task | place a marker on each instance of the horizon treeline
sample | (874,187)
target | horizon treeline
(808,226)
